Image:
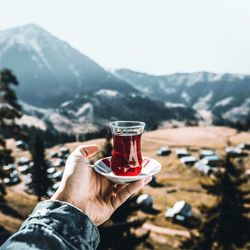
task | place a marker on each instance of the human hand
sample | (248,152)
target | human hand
(94,194)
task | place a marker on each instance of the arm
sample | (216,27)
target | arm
(83,201)
(55,225)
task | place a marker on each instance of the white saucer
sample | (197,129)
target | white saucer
(149,167)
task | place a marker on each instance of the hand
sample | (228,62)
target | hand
(94,194)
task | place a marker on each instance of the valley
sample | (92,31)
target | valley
(177,181)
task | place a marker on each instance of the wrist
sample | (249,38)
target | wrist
(82,206)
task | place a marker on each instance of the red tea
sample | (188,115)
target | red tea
(126,156)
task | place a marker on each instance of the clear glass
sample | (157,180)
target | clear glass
(126,157)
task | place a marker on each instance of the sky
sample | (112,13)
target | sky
(151,36)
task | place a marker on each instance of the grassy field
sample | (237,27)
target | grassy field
(179,182)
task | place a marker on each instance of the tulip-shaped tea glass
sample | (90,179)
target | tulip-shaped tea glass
(126,157)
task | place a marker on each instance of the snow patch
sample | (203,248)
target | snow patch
(60,122)
(185,96)
(224,101)
(31,121)
(202,103)
(238,113)
(33,109)
(35,46)
(65,104)
(206,116)
(82,125)
(174,105)
(85,109)
(6,106)
(107,92)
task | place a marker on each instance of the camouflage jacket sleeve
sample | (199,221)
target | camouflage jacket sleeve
(55,225)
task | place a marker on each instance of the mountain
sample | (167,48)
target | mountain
(218,98)
(89,113)
(63,90)
(49,69)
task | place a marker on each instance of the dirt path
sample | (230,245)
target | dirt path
(165,230)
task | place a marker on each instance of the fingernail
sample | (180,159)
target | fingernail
(148,179)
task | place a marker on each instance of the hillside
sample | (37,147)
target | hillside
(179,182)
(56,71)
(218,98)
(63,90)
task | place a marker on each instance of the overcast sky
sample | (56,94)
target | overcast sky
(153,36)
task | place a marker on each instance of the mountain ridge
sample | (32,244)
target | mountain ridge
(218,94)
(75,91)
(69,92)
(53,65)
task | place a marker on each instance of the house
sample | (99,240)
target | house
(233,151)
(163,151)
(144,200)
(21,145)
(28,180)
(204,168)
(244,146)
(12,179)
(59,163)
(211,160)
(181,152)
(53,189)
(188,160)
(206,152)
(9,167)
(248,172)
(51,170)
(24,169)
(180,211)
(23,161)
(56,176)
(64,152)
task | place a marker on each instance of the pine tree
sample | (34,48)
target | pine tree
(40,181)
(227,225)
(9,111)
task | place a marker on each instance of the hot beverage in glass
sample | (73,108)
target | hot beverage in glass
(126,157)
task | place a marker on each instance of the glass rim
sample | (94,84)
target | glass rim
(139,124)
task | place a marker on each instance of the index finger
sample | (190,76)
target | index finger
(85,151)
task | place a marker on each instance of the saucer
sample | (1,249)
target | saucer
(149,167)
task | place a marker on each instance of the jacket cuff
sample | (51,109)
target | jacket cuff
(67,221)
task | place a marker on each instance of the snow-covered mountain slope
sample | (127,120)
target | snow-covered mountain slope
(88,113)
(49,69)
(217,96)
(63,90)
